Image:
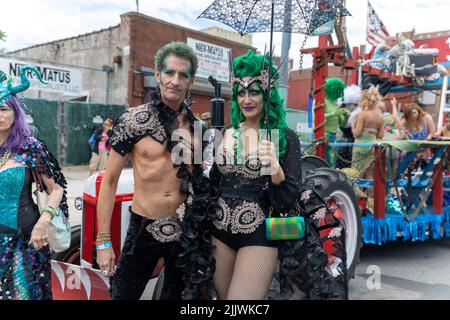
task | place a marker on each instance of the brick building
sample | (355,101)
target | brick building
(300,85)
(117,63)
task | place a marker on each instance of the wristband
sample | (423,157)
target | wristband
(105,245)
(49,210)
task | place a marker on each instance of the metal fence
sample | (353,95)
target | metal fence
(66,126)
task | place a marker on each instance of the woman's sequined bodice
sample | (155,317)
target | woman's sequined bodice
(246,194)
(18,212)
(245,176)
(243,198)
(11,184)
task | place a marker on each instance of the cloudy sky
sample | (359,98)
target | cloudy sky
(30,22)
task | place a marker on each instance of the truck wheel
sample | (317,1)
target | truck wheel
(334,185)
(311,163)
(71,255)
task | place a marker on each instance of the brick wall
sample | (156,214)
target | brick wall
(147,35)
(300,84)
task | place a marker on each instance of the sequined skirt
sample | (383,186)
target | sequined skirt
(24,272)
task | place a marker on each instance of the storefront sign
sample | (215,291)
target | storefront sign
(212,60)
(60,79)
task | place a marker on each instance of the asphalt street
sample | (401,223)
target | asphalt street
(403,271)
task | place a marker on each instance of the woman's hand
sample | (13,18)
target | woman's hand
(39,235)
(394,102)
(267,156)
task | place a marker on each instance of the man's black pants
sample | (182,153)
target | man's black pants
(140,255)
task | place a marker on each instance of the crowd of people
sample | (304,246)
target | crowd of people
(370,121)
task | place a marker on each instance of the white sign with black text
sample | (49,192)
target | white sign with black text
(212,60)
(60,79)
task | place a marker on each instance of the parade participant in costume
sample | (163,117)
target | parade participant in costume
(335,117)
(444,132)
(393,127)
(25,256)
(250,179)
(245,260)
(393,131)
(367,128)
(417,124)
(381,62)
(352,96)
(163,186)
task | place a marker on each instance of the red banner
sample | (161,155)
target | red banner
(72,282)
(439,42)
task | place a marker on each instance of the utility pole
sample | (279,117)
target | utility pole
(285,46)
(137,6)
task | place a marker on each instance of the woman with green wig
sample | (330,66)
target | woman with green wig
(254,175)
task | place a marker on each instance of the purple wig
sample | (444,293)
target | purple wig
(20,132)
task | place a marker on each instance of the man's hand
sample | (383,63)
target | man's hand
(105,260)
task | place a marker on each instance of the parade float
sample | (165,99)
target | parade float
(408,199)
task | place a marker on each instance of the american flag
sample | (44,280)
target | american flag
(376,30)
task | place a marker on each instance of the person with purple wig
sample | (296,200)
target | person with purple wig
(24,252)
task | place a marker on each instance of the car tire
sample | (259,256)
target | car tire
(332,184)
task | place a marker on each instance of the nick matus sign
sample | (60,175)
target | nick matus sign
(60,79)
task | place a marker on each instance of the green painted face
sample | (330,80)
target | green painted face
(171,73)
(5,110)
(175,80)
(252,92)
(6,117)
(251,100)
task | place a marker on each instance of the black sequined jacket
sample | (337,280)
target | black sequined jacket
(35,155)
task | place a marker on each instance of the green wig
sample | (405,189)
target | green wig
(180,50)
(251,65)
(334,89)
